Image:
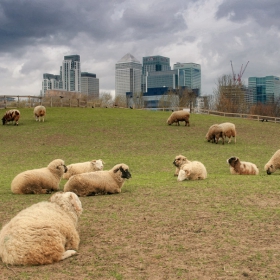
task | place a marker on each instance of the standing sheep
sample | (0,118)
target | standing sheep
(194,170)
(39,113)
(39,181)
(273,164)
(43,233)
(229,131)
(215,132)
(99,182)
(12,115)
(178,162)
(179,116)
(83,167)
(237,167)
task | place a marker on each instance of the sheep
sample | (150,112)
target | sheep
(194,170)
(12,115)
(83,167)
(229,131)
(44,233)
(178,162)
(237,167)
(215,132)
(39,181)
(273,164)
(179,116)
(99,182)
(39,113)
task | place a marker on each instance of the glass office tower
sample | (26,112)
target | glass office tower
(71,73)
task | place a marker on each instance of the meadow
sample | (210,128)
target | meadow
(224,227)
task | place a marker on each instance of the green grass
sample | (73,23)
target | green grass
(225,226)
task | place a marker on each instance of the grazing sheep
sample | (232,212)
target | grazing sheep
(229,130)
(194,170)
(39,181)
(273,164)
(237,167)
(178,162)
(83,167)
(39,113)
(215,132)
(99,182)
(179,116)
(12,115)
(43,233)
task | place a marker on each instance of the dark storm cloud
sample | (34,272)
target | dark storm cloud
(265,13)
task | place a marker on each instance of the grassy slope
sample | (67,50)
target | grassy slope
(157,228)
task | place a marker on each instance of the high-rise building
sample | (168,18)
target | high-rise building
(90,84)
(71,73)
(168,79)
(189,76)
(50,82)
(265,90)
(154,63)
(128,75)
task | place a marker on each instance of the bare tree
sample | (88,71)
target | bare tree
(106,99)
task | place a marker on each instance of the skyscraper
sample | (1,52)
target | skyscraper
(128,75)
(189,76)
(90,84)
(51,81)
(71,73)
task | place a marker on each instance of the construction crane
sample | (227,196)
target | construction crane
(240,74)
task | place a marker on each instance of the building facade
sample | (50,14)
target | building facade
(90,85)
(167,79)
(71,73)
(50,82)
(265,90)
(189,75)
(128,72)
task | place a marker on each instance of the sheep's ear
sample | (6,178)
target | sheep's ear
(74,202)
(116,170)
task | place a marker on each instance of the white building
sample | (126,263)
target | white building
(90,85)
(71,73)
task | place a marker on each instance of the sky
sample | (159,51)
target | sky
(35,36)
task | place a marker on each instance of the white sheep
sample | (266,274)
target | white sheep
(229,130)
(238,167)
(83,167)
(43,233)
(179,116)
(273,164)
(39,181)
(178,162)
(194,170)
(39,113)
(99,182)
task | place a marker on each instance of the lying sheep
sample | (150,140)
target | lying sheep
(12,115)
(237,167)
(194,170)
(99,182)
(229,130)
(215,132)
(273,164)
(83,167)
(39,181)
(179,116)
(39,113)
(43,233)
(178,162)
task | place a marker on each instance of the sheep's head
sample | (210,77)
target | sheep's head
(99,164)
(270,169)
(4,120)
(125,174)
(183,175)
(58,164)
(180,160)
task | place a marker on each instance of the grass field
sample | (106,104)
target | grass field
(224,227)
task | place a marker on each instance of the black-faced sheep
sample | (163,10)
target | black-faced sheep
(83,167)
(12,115)
(43,233)
(179,116)
(39,181)
(39,113)
(237,167)
(273,164)
(178,162)
(215,132)
(99,182)
(194,170)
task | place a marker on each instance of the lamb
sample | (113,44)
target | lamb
(39,181)
(229,130)
(179,116)
(39,113)
(237,167)
(12,115)
(273,164)
(194,170)
(178,162)
(83,167)
(43,233)
(99,182)
(215,132)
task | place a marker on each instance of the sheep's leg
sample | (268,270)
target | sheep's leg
(67,254)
